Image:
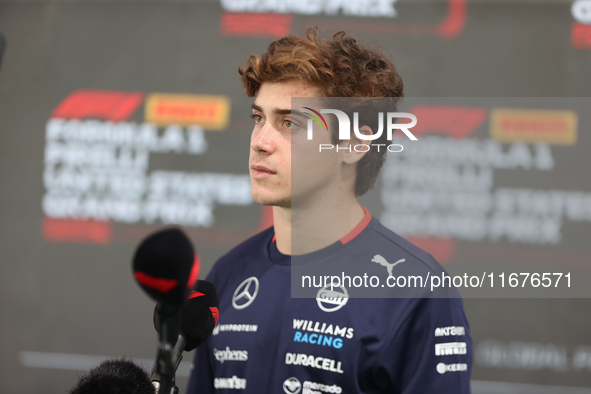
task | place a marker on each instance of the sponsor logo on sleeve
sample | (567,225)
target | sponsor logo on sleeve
(245,293)
(229,383)
(450,331)
(322,334)
(315,362)
(450,348)
(230,355)
(292,385)
(332,300)
(235,328)
(378,259)
(459,367)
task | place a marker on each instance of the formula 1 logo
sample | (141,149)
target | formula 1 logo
(389,266)
(244,295)
(332,300)
(292,386)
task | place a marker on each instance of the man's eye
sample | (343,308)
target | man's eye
(290,124)
(257,118)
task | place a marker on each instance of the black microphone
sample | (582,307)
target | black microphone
(200,314)
(166,267)
(199,317)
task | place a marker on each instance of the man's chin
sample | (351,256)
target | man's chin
(274,201)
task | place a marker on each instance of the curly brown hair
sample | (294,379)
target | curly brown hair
(340,67)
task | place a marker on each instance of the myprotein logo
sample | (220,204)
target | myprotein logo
(345,129)
(235,328)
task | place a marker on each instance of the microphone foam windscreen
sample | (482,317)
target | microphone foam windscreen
(166,266)
(199,316)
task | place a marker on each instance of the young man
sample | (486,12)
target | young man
(268,342)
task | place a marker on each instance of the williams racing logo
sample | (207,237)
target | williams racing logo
(315,333)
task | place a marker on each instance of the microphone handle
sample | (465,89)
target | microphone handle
(164,366)
(181,343)
(179,348)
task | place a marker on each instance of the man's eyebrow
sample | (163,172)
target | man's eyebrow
(278,111)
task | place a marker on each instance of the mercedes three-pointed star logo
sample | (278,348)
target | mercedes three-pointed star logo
(244,295)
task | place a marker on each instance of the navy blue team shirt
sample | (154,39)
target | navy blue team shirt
(268,342)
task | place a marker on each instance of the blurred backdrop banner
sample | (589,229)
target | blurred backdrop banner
(119,118)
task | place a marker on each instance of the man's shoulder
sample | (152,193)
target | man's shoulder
(393,243)
(254,247)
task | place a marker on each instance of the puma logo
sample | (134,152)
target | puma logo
(389,266)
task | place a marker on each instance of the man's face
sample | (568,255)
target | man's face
(276,134)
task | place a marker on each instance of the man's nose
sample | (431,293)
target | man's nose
(262,139)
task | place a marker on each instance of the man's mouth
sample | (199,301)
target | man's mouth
(261,172)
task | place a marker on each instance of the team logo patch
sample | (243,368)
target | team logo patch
(451,330)
(230,383)
(450,348)
(379,259)
(292,386)
(332,300)
(245,293)
(443,368)
(307,360)
(230,355)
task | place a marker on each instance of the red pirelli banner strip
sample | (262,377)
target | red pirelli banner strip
(76,231)
(254,24)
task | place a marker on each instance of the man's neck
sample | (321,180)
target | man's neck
(316,226)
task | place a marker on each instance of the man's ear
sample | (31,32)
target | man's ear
(354,155)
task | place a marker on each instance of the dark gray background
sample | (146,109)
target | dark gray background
(80,299)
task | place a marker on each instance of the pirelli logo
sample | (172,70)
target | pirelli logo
(556,127)
(209,112)
(450,348)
